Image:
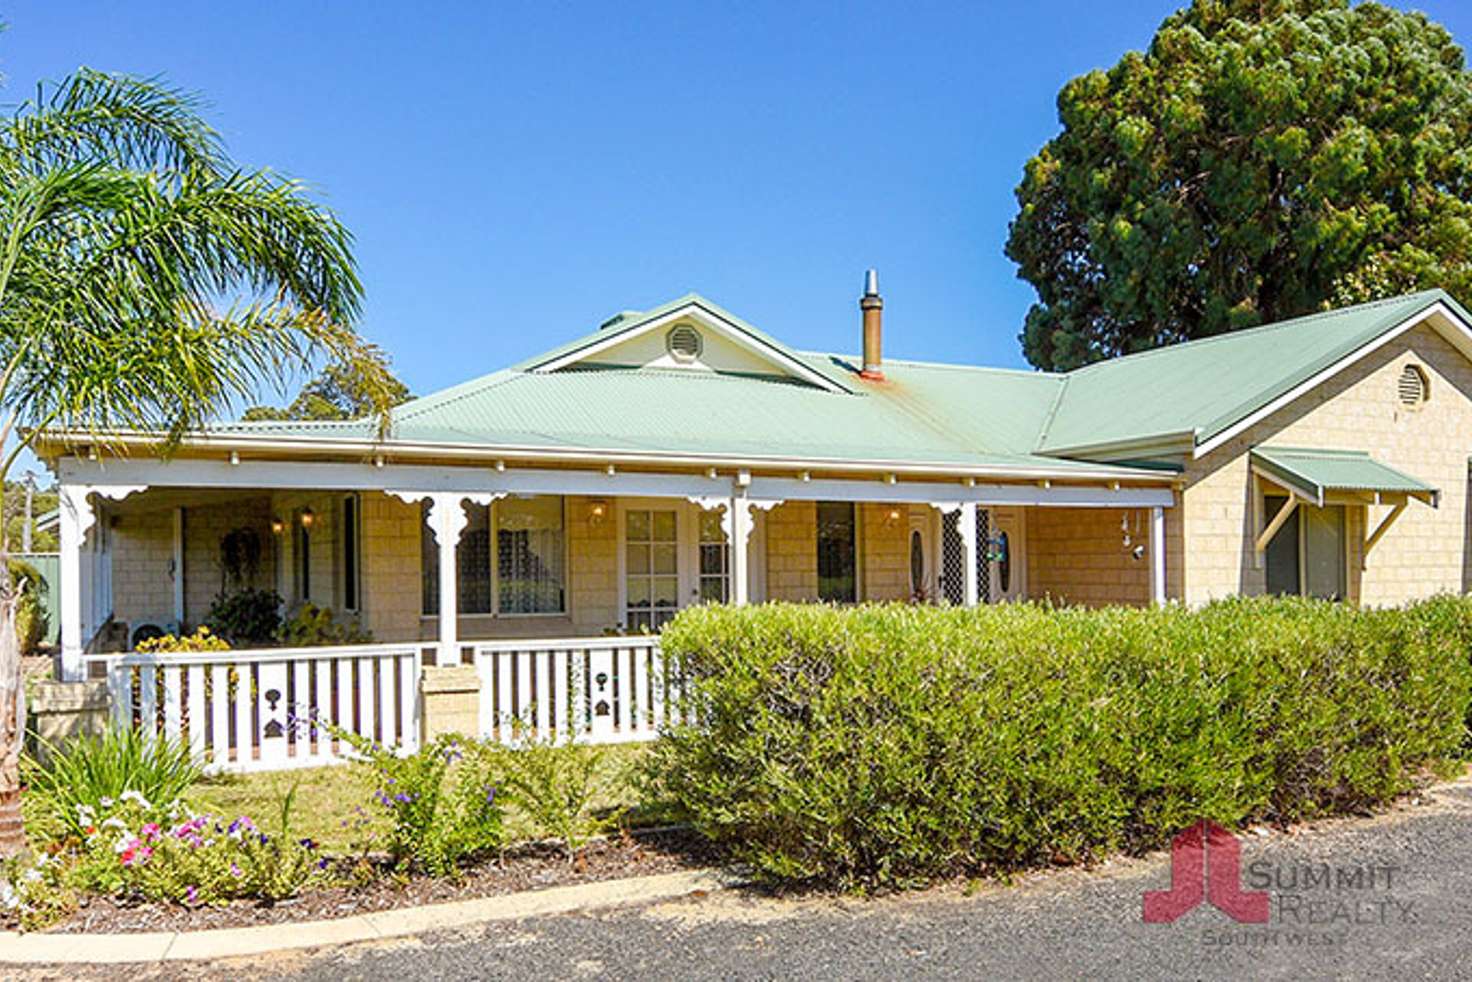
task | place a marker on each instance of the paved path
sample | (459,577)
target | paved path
(1406,913)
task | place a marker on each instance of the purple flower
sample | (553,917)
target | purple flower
(191,894)
(322,863)
(235,871)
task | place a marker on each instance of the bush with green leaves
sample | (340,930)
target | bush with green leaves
(85,780)
(246,617)
(886,745)
(553,782)
(442,803)
(311,625)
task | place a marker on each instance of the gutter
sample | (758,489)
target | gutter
(61,441)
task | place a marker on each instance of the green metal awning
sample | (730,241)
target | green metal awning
(1318,475)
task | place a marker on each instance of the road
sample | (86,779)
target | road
(1397,903)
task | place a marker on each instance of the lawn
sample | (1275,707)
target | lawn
(327,797)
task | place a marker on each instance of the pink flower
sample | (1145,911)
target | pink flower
(149,831)
(235,871)
(127,855)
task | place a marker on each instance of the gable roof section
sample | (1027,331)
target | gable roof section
(629,324)
(1196,391)
(815,407)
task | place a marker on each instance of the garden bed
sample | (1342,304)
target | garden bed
(526,867)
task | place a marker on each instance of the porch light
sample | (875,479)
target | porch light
(307,518)
(597,511)
(892,517)
(277,525)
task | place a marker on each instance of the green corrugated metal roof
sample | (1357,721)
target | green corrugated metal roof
(1313,473)
(1205,386)
(922,414)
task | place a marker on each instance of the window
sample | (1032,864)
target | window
(651,568)
(350,552)
(529,555)
(1307,556)
(529,572)
(715,559)
(473,562)
(838,580)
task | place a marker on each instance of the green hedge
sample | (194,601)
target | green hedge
(885,745)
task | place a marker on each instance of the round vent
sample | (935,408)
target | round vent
(1413,387)
(683,342)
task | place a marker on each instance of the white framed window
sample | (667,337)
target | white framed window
(673,554)
(511,560)
(531,555)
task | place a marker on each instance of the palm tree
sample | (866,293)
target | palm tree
(148,282)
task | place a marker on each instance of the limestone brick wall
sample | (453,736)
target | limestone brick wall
(1212,532)
(142,552)
(142,540)
(884,551)
(792,551)
(204,526)
(391,579)
(1078,556)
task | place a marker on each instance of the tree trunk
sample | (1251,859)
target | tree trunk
(12,716)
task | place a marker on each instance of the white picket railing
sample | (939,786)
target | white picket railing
(258,710)
(600,690)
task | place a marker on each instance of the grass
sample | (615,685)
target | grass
(327,796)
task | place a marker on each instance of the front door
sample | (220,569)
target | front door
(673,554)
(922,558)
(1007,566)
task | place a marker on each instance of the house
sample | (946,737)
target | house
(680,455)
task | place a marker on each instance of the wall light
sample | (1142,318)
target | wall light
(597,511)
(277,525)
(892,517)
(307,518)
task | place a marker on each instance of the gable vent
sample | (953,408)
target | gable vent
(1413,387)
(683,342)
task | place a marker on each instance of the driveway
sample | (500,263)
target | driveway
(1389,896)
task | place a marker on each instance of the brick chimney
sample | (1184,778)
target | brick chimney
(872,305)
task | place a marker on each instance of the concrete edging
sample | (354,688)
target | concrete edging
(170,946)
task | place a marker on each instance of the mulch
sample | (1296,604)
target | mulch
(527,867)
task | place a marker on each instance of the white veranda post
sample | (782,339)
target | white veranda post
(78,514)
(447,521)
(1157,555)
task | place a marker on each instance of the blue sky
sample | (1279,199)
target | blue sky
(514,173)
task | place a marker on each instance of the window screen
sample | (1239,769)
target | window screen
(530,555)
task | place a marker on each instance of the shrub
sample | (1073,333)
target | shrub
(553,783)
(246,616)
(88,779)
(311,625)
(442,802)
(882,745)
(203,639)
